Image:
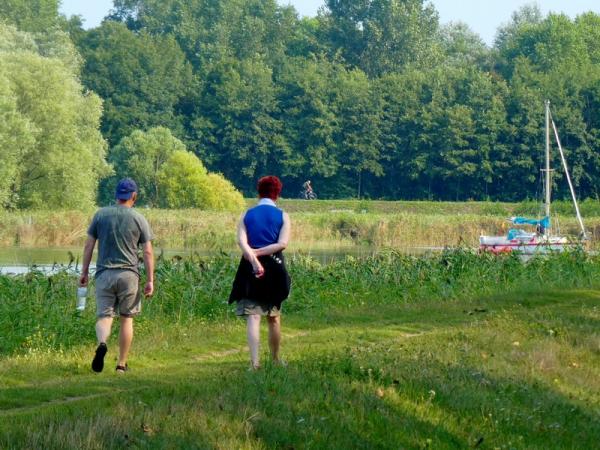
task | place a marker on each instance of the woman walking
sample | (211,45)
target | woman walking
(262,283)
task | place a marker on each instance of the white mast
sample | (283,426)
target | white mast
(547,170)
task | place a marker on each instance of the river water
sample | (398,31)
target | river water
(19,260)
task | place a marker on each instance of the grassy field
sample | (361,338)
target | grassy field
(513,371)
(317,225)
(453,350)
(37,311)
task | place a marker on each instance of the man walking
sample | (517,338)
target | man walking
(119,230)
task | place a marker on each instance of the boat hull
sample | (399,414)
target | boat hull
(526,245)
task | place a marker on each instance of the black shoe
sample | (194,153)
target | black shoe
(122,369)
(98,361)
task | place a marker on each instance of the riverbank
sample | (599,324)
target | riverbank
(449,350)
(317,225)
(501,371)
(37,310)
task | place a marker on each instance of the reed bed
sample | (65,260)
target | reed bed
(406,225)
(37,312)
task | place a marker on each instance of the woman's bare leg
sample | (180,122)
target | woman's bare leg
(274,336)
(253,333)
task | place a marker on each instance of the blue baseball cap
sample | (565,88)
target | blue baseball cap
(125,189)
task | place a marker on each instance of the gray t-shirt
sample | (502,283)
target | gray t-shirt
(119,231)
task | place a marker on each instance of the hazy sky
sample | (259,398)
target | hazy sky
(483,16)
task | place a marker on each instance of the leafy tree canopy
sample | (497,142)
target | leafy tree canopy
(50,145)
(383,36)
(370,98)
(145,79)
(168,175)
(31,15)
(141,156)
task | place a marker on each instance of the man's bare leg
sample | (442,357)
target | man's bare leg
(103,327)
(125,339)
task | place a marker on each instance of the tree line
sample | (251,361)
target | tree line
(370,98)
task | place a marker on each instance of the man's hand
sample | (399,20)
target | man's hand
(149,289)
(88,250)
(149,265)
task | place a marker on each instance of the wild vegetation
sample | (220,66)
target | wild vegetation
(367,99)
(34,306)
(168,175)
(198,98)
(388,351)
(317,225)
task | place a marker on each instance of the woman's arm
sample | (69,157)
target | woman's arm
(247,251)
(282,243)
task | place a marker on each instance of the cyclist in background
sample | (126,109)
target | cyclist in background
(308,192)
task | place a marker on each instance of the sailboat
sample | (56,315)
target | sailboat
(542,240)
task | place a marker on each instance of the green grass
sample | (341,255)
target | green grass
(37,311)
(393,351)
(399,207)
(511,371)
(588,207)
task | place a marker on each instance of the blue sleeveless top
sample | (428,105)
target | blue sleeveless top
(263,223)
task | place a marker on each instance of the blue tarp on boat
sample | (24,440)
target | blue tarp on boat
(544,223)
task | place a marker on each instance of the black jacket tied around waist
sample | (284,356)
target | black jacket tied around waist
(269,290)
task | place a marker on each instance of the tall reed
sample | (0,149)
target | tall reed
(333,229)
(37,312)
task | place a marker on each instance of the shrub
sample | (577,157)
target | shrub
(185,183)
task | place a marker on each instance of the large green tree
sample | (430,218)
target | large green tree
(357,139)
(16,140)
(49,142)
(141,156)
(186,183)
(555,58)
(383,36)
(144,79)
(210,29)
(31,15)
(307,98)
(462,46)
(239,131)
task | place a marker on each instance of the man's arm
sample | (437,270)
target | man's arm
(149,265)
(282,242)
(88,251)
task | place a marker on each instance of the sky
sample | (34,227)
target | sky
(483,16)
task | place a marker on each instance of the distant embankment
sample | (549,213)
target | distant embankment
(316,224)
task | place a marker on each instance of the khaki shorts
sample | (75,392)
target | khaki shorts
(246,307)
(118,293)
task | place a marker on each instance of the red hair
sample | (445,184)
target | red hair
(269,187)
